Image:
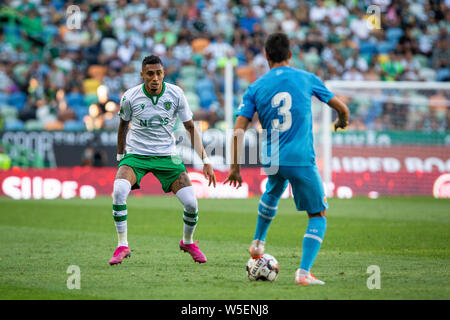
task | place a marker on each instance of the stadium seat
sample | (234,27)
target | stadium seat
(80,112)
(9,112)
(203,85)
(90,99)
(12,31)
(17,100)
(74,125)
(34,125)
(206,99)
(3,98)
(58,4)
(394,34)
(74,99)
(197,58)
(114,97)
(443,74)
(205,92)
(384,47)
(50,31)
(14,124)
(367,48)
(242,59)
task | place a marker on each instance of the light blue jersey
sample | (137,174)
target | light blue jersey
(282,99)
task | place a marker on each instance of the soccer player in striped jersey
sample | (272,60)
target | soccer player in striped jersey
(148,113)
(282,100)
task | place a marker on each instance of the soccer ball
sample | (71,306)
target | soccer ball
(265,268)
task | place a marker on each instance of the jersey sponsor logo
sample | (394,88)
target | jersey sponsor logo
(167,105)
(154,122)
(142,106)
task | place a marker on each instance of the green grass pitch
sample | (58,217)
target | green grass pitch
(408,238)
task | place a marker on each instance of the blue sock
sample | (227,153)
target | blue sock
(312,240)
(267,209)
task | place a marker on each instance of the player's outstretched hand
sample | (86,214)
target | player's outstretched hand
(234,177)
(209,174)
(340,124)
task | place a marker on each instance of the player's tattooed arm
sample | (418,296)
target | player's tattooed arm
(121,136)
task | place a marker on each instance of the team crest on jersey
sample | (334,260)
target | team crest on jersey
(167,105)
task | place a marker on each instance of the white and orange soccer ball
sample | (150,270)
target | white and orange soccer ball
(265,268)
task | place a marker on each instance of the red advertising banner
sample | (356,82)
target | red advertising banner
(89,182)
(393,170)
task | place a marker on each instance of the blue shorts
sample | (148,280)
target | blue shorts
(307,187)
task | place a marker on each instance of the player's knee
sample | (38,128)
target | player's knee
(191,206)
(121,190)
(190,202)
(270,199)
(187,198)
(275,192)
(318,214)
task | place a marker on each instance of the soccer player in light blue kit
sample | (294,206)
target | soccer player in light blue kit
(282,100)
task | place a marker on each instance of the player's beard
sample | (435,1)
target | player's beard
(154,89)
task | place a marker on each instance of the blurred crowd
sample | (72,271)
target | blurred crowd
(65,68)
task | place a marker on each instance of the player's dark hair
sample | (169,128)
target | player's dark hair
(151,60)
(277,47)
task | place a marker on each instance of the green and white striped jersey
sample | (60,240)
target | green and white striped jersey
(153,119)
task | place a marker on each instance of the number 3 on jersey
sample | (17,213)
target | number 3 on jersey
(284,99)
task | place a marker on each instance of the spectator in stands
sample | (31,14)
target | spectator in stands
(113,81)
(65,113)
(126,51)
(330,38)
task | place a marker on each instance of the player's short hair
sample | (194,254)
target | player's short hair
(277,47)
(151,60)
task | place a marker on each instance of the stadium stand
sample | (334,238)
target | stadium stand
(40,54)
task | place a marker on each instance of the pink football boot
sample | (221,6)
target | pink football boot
(194,251)
(120,254)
